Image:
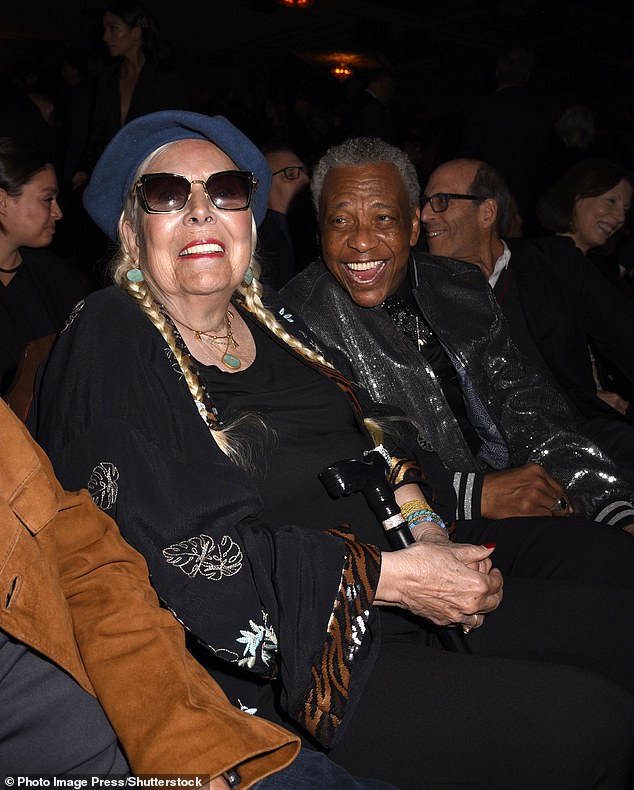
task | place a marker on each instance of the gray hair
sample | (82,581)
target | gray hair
(358,151)
(489,183)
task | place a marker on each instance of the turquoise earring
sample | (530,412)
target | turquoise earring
(135,275)
(248,277)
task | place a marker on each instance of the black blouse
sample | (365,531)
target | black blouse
(310,425)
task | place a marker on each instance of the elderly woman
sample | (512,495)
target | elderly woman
(198,412)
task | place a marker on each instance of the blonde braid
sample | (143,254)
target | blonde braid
(253,299)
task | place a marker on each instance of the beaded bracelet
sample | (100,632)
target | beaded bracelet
(427,516)
(417,511)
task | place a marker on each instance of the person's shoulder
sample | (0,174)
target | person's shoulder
(549,252)
(109,311)
(44,261)
(549,243)
(106,334)
(161,79)
(39,256)
(109,73)
(304,284)
(55,274)
(108,298)
(427,263)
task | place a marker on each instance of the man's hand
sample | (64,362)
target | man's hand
(526,491)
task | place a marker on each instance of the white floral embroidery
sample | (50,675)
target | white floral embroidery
(103,486)
(260,638)
(286,316)
(244,709)
(73,315)
(172,360)
(200,554)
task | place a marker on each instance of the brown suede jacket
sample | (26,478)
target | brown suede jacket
(74,591)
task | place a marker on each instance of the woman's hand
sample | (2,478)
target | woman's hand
(451,584)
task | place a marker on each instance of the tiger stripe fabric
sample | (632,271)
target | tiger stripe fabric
(326,697)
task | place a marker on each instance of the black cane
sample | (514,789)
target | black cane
(368,476)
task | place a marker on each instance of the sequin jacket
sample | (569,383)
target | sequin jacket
(516,409)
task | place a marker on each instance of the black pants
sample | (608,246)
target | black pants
(555,548)
(545,701)
(616,438)
(48,723)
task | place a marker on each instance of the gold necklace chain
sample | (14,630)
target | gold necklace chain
(229,360)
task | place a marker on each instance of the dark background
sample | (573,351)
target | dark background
(442,52)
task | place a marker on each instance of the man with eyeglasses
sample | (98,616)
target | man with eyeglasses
(424,333)
(552,297)
(287,220)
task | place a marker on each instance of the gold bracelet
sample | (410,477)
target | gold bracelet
(417,511)
(413,505)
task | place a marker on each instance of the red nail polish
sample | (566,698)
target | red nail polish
(489,545)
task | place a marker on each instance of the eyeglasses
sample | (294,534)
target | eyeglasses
(291,173)
(164,193)
(440,201)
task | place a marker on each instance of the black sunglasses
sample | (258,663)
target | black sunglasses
(291,173)
(440,201)
(164,193)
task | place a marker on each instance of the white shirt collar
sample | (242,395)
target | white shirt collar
(501,264)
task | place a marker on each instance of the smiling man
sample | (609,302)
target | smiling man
(368,223)
(424,333)
(553,298)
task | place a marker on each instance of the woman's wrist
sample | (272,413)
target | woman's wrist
(418,513)
(387,590)
(400,572)
(429,532)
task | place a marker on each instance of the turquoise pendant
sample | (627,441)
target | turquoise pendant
(230,361)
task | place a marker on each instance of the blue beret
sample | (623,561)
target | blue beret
(112,177)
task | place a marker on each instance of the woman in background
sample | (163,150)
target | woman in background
(135,83)
(37,288)
(589,205)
